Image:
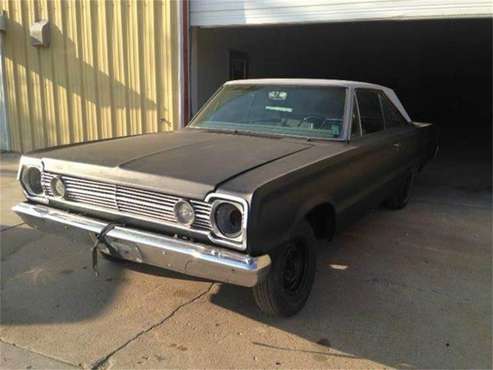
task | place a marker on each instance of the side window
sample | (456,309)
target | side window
(370,111)
(355,122)
(393,118)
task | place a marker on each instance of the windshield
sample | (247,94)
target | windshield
(300,111)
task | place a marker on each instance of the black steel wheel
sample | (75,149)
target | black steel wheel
(287,287)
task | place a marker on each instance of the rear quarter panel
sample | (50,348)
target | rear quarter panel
(428,141)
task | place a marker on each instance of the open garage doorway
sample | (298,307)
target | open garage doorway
(440,69)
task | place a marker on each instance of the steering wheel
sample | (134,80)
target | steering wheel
(308,119)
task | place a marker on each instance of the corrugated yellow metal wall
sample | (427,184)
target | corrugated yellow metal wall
(111,70)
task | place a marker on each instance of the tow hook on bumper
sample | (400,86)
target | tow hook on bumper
(191,258)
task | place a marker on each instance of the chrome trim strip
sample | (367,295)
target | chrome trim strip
(174,254)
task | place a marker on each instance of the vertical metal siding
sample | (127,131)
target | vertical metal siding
(111,70)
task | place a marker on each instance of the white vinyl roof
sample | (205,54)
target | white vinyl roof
(323,82)
(304,82)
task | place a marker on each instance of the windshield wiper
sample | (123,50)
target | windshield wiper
(259,134)
(240,132)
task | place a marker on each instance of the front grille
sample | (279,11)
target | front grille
(128,200)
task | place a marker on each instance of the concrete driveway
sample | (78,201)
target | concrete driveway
(407,289)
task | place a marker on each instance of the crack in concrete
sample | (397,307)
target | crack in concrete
(11,227)
(100,364)
(40,353)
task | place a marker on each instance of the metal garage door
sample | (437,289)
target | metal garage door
(216,13)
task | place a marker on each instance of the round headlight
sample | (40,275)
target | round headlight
(228,219)
(184,212)
(57,187)
(31,179)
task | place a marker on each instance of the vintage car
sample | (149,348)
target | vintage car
(242,194)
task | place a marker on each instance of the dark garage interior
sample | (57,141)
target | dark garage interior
(440,69)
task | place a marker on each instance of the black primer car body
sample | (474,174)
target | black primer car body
(278,181)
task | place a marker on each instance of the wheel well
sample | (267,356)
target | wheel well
(322,219)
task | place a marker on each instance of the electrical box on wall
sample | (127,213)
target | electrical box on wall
(40,33)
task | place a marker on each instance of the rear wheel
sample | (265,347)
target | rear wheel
(287,287)
(401,197)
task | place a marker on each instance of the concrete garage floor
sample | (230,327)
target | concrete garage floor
(403,289)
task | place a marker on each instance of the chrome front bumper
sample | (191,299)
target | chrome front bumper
(170,253)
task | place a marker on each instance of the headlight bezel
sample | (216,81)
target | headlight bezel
(27,181)
(238,241)
(28,164)
(218,229)
(25,164)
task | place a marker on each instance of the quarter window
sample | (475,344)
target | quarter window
(370,111)
(393,118)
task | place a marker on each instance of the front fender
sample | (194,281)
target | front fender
(274,216)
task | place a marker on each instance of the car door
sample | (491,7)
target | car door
(404,134)
(372,156)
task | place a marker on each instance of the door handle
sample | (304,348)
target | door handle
(396,146)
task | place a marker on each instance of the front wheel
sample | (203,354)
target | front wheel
(287,287)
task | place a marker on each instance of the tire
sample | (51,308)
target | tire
(287,287)
(401,197)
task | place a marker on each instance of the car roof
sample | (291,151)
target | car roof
(304,82)
(322,82)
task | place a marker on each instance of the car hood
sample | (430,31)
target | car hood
(189,163)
